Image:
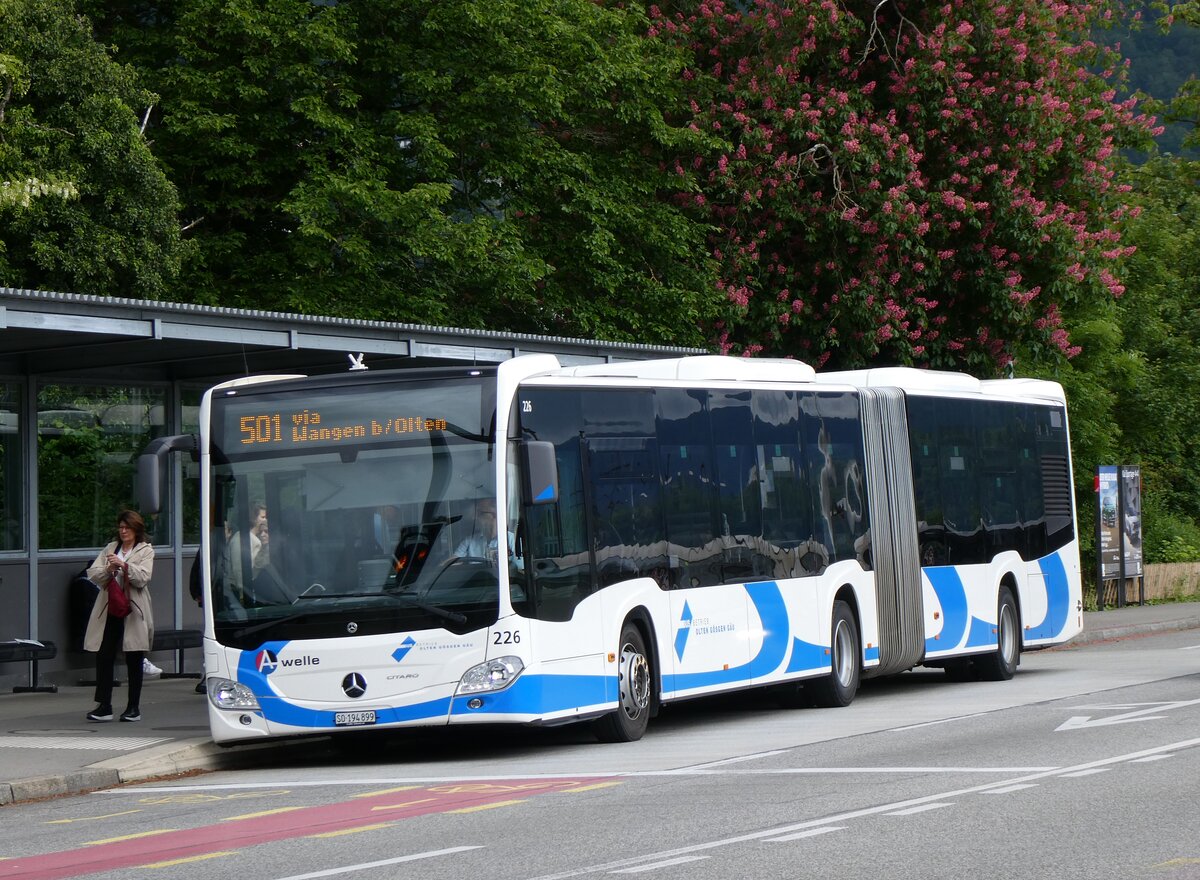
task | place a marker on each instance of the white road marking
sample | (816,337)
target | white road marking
(1191,648)
(800,835)
(1079,722)
(941,721)
(858,814)
(816,771)
(679,861)
(737,760)
(348,869)
(410,782)
(1091,771)
(1011,788)
(1150,758)
(923,808)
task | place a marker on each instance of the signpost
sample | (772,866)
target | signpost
(1119,530)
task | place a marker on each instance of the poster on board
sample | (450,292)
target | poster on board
(1119,520)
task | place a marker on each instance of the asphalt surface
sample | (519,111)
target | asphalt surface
(48,748)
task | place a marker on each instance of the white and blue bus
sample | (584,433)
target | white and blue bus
(667,530)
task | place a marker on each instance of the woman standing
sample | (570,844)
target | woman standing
(129,561)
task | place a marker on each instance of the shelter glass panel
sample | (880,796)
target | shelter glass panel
(12,468)
(89,438)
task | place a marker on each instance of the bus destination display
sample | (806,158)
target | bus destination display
(308,427)
(264,422)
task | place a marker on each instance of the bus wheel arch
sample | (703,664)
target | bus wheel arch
(1001,664)
(637,690)
(845,654)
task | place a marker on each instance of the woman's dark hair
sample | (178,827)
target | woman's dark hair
(134,520)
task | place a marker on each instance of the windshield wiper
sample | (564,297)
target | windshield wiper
(452,616)
(259,627)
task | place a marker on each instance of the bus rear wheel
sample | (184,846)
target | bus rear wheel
(628,723)
(1001,664)
(845,654)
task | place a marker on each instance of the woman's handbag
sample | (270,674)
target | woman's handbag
(118,599)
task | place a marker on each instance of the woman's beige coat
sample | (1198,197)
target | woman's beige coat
(139,625)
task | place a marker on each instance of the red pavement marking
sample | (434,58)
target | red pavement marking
(304,822)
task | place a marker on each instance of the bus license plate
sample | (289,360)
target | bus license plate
(353,719)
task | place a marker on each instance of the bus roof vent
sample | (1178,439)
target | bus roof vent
(908,378)
(713,367)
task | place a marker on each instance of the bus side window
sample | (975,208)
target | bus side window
(688,488)
(783,481)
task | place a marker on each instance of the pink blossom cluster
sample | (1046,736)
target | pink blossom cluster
(905,181)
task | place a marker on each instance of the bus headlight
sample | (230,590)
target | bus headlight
(226,694)
(494,675)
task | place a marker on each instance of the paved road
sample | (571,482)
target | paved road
(1083,766)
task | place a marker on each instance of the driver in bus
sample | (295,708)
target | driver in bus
(482,543)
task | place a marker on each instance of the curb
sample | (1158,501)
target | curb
(1104,634)
(169,759)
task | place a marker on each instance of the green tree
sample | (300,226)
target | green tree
(481,163)
(84,206)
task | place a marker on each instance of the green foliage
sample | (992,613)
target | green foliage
(84,206)
(481,164)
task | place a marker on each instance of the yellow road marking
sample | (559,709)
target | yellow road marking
(403,805)
(592,787)
(487,806)
(386,791)
(354,830)
(1178,863)
(261,813)
(199,798)
(130,837)
(213,855)
(89,818)
(465,787)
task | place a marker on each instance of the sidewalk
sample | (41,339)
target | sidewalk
(47,747)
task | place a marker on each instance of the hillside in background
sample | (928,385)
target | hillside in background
(1159,64)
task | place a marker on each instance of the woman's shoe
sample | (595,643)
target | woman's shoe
(130,715)
(100,713)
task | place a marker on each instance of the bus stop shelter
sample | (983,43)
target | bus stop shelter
(86,381)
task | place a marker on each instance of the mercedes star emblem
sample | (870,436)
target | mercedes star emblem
(352,627)
(354,685)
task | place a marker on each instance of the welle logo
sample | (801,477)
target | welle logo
(266,661)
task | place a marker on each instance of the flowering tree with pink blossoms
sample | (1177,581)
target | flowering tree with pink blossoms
(905,182)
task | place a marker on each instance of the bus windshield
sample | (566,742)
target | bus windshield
(352,510)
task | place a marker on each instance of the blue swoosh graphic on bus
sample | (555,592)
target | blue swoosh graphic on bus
(1058,599)
(278,710)
(768,602)
(953,598)
(541,694)
(982,634)
(806,655)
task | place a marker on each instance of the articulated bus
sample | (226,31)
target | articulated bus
(666,530)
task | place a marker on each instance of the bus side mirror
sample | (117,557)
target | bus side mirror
(539,472)
(150,468)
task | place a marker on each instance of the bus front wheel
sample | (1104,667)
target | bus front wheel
(845,655)
(628,723)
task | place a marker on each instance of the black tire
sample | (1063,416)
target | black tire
(839,687)
(1001,664)
(636,692)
